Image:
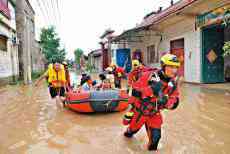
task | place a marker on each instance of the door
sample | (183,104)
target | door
(177,48)
(105,59)
(137,55)
(123,59)
(212,60)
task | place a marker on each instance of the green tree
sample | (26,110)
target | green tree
(50,44)
(78,53)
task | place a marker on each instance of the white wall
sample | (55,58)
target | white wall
(12,14)
(182,29)
(186,29)
(9,58)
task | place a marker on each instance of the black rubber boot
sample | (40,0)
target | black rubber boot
(128,134)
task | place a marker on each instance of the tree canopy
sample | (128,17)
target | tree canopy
(78,53)
(50,44)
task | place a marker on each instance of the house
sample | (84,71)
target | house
(194,30)
(114,53)
(8,42)
(95,59)
(106,47)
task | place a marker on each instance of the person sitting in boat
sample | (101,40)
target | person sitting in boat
(110,76)
(89,84)
(102,77)
(83,78)
(67,74)
(105,85)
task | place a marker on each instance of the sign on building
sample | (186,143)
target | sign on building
(217,16)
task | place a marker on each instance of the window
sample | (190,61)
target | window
(152,55)
(3,43)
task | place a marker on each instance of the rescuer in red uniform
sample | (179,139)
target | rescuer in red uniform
(118,73)
(154,91)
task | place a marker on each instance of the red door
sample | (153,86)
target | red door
(105,59)
(177,48)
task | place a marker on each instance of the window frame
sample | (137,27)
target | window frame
(152,54)
(4,38)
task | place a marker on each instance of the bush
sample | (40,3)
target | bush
(226,49)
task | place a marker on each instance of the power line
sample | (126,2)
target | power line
(47,12)
(58,8)
(41,10)
(49,6)
(54,12)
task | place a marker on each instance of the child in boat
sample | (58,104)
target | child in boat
(106,85)
(87,84)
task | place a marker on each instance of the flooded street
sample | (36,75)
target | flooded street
(30,123)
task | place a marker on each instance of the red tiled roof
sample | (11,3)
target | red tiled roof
(170,10)
(4,10)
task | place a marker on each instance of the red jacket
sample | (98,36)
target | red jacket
(144,109)
(119,73)
(134,75)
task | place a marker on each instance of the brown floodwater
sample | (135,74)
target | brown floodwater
(30,123)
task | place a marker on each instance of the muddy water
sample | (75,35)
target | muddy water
(30,123)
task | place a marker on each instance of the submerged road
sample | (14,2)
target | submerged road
(30,123)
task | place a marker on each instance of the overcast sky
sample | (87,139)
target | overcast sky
(82,22)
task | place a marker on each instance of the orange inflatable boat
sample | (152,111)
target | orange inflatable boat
(97,101)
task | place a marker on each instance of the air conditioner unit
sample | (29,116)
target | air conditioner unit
(15,41)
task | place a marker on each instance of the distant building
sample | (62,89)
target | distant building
(95,59)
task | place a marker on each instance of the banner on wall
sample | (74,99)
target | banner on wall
(219,15)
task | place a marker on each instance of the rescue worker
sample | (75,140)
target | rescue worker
(56,81)
(137,70)
(67,74)
(118,73)
(154,91)
(110,76)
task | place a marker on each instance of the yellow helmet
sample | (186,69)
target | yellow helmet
(135,63)
(170,60)
(109,69)
(112,64)
(64,63)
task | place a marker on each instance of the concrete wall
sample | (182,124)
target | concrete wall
(8,58)
(183,29)
(26,34)
(38,60)
(192,50)
(98,63)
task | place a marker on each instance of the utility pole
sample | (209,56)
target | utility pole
(24,15)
